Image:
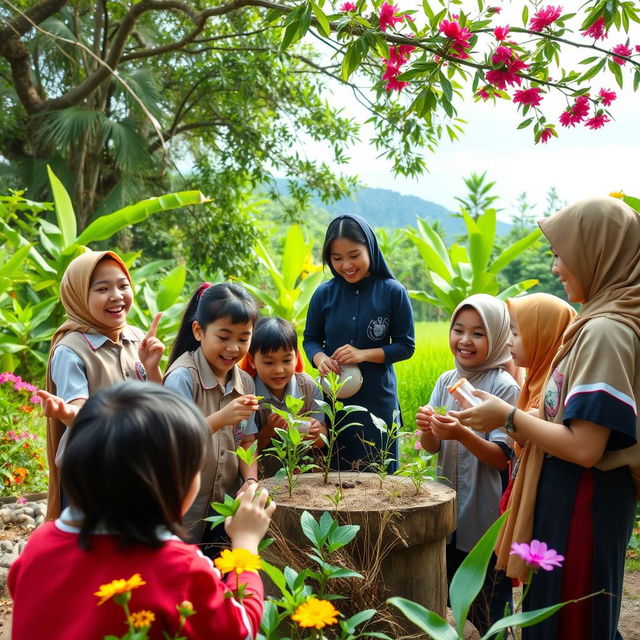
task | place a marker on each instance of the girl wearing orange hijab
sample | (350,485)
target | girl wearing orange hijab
(93,349)
(584,456)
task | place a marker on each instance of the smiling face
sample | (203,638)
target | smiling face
(570,284)
(223,343)
(110,294)
(350,259)
(468,338)
(275,369)
(516,345)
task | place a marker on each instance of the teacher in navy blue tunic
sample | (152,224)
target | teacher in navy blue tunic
(361,316)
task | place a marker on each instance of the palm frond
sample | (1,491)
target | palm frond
(145,85)
(129,148)
(66,126)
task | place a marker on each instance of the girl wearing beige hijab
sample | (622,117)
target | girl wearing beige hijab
(93,349)
(584,451)
(471,462)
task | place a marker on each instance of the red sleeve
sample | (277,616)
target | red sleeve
(218,616)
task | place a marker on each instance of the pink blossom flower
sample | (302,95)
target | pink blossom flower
(500,78)
(502,55)
(622,50)
(459,35)
(537,555)
(576,113)
(501,33)
(607,96)
(388,17)
(395,85)
(545,135)
(638,48)
(545,17)
(597,122)
(417,446)
(483,94)
(532,96)
(597,30)
(348,7)
(492,10)
(21,500)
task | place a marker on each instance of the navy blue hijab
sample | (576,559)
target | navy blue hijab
(378,267)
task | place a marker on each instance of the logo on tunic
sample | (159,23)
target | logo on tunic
(238,431)
(141,372)
(378,328)
(553,393)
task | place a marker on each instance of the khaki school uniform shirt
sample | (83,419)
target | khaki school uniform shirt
(220,473)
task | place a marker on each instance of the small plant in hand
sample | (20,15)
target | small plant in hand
(337,413)
(290,446)
(441,411)
(139,622)
(22,462)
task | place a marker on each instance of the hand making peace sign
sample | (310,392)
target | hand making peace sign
(151,350)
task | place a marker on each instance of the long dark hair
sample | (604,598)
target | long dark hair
(132,455)
(208,304)
(273,334)
(342,228)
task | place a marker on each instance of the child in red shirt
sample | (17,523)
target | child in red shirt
(131,470)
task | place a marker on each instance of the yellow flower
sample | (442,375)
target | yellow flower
(315,613)
(115,587)
(140,619)
(617,194)
(238,560)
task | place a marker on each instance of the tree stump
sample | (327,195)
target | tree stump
(402,532)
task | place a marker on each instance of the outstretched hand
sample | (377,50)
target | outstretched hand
(249,524)
(56,408)
(491,414)
(151,349)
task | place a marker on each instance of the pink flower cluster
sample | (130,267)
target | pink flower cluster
(607,97)
(576,113)
(348,7)
(508,73)
(460,37)
(20,385)
(622,50)
(537,555)
(546,134)
(501,33)
(389,16)
(532,96)
(544,18)
(16,437)
(597,30)
(398,56)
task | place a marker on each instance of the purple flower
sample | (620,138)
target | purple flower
(537,555)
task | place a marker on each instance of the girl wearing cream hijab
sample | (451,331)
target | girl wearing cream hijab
(471,462)
(93,349)
(585,442)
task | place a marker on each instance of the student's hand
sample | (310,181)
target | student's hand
(491,414)
(151,349)
(325,364)
(56,408)
(274,421)
(447,427)
(314,429)
(238,409)
(348,354)
(249,524)
(423,418)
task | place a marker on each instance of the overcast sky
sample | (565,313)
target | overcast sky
(580,163)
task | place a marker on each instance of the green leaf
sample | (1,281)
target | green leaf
(517,288)
(64,209)
(105,226)
(352,58)
(469,577)
(524,619)
(310,528)
(171,287)
(428,621)
(275,575)
(358,619)
(525,123)
(15,261)
(634,203)
(512,252)
(323,23)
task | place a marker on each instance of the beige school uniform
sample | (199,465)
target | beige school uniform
(105,363)
(220,473)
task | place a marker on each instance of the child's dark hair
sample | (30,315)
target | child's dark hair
(273,334)
(208,304)
(132,455)
(342,228)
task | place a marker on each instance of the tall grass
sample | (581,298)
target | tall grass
(418,375)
